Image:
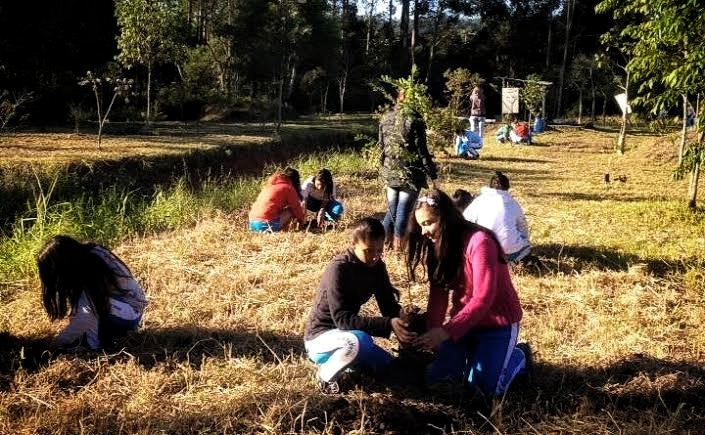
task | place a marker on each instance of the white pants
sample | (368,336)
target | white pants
(477,124)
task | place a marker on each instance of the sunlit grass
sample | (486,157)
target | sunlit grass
(614,316)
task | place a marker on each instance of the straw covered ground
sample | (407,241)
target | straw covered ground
(614,314)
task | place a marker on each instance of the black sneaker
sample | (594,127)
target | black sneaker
(529,360)
(330,387)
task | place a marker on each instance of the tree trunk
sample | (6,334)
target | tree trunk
(292,80)
(592,91)
(697,113)
(431,50)
(434,41)
(324,95)
(342,82)
(404,35)
(390,21)
(570,8)
(580,106)
(149,92)
(370,15)
(277,128)
(414,32)
(548,43)
(622,134)
(694,179)
(623,128)
(681,145)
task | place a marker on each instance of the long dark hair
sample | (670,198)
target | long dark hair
(68,268)
(326,179)
(444,258)
(295,179)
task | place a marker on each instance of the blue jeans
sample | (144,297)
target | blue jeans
(336,350)
(400,204)
(488,359)
(334,209)
(262,226)
(467,149)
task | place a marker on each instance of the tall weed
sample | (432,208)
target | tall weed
(337,161)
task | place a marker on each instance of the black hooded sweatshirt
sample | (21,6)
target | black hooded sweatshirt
(346,285)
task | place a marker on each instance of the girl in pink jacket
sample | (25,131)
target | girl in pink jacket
(467,270)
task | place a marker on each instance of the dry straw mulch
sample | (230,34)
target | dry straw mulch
(610,311)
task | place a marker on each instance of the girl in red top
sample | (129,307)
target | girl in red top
(467,270)
(278,203)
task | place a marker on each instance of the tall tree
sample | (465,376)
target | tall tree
(569,7)
(616,57)
(149,35)
(580,79)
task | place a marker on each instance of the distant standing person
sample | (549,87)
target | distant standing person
(319,196)
(337,336)
(406,165)
(278,204)
(494,208)
(473,311)
(477,111)
(93,287)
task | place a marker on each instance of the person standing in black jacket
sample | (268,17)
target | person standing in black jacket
(336,336)
(406,165)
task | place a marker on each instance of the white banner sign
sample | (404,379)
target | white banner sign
(510,100)
(623,104)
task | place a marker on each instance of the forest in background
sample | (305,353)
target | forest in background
(188,59)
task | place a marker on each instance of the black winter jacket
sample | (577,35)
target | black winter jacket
(405,159)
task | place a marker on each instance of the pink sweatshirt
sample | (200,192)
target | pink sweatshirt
(484,297)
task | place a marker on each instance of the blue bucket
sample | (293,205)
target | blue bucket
(539,125)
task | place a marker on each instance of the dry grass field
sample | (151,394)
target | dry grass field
(614,315)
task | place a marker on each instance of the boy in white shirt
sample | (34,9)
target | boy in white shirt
(498,211)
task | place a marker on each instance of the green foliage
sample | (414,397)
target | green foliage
(10,108)
(337,161)
(416,97)
(371,150)
(120,87)
(149,32)
(77,114)
(442,123)
(693,156)
(459,85)
(113,214)
(581,71)
(171,209)
(694,282)
(532,94)
(667,49)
